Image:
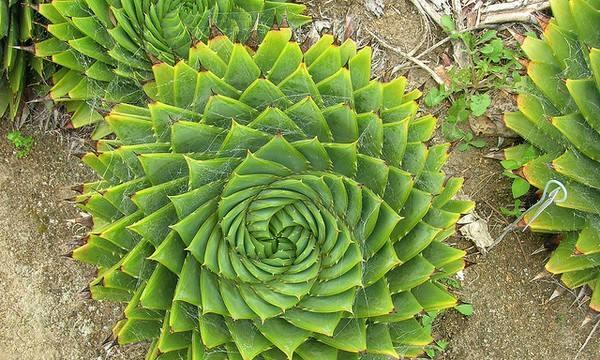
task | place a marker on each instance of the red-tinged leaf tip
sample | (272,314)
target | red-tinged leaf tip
(522,223)
(517,36)
(252,41)
(215,31)
(469,263)
(305,45)
(110,342)
(542,20)
(86,293)
(82,155)
(520,172)
(83,240)
(103,112)
(541,275)
(524,63)
(77,188)
(154,60)
(69,125)
(284,22)
(30,49)
(94,144)
(72,199)
(86,221)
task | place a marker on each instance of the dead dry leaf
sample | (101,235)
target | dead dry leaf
(476,230)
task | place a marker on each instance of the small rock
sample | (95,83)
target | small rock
(484,126)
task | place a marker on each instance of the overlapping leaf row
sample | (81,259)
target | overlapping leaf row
(561,118)
(107,47)
(16,29)
(272,204)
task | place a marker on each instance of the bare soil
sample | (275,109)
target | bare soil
(44,316)
(513,318)
(42,312)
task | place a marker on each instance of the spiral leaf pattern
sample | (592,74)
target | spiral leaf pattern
(559,117)
(107,47)
(273,204)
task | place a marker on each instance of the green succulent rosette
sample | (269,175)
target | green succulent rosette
(16,30)
(107,47)
(560,119)
(273,204)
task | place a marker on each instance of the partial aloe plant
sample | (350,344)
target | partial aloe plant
(560,118)
(16,30)
(272,204)
(107,47)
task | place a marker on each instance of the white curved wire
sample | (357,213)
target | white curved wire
(548,197)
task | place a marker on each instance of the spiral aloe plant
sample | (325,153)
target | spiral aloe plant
(272,204)
(16,30)
(560,117)
(107,47)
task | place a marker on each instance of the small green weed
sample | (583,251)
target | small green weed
(436,348)
(439,346)
(465,309)
(515,211)
(519,186)
(493,66)
(23,143)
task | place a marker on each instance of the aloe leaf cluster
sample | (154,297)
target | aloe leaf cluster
(107,47)
(16,30)
(272,203)
(559,116)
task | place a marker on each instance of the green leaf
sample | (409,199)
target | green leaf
(478,143)
(516,211)
(452,132)
(487,36)
(493,50)
(510,164)
(519,187)
(479,104)
(465,309)
(435,96)
(443,344)
(447,23)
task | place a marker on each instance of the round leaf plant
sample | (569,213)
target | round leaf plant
(272,203)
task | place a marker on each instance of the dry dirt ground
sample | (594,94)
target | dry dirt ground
(42,313)
(44,316)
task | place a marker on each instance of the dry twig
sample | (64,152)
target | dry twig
(417,62)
